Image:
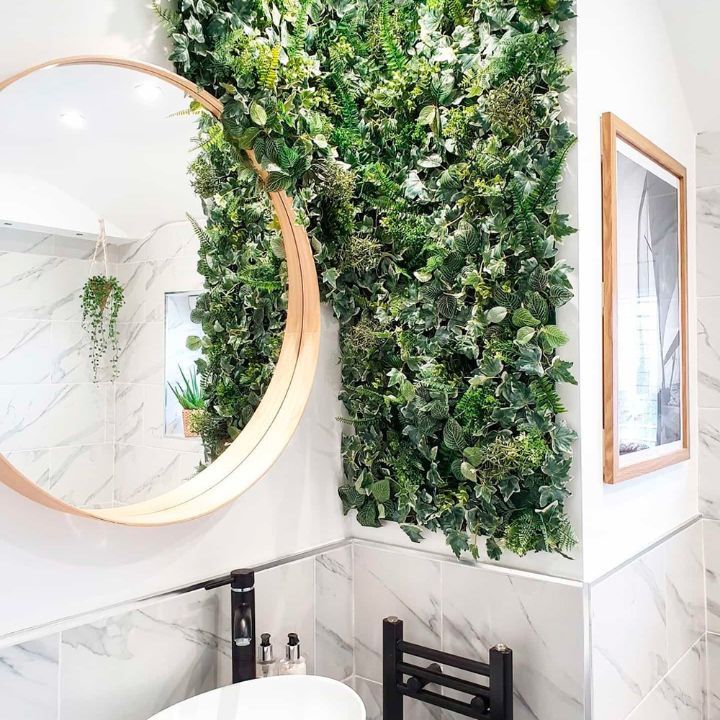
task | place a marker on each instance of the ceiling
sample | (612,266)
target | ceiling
(127,164)
(693,29)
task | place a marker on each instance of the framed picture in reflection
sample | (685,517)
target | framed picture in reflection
(645,364)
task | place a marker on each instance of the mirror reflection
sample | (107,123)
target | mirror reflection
(99,394)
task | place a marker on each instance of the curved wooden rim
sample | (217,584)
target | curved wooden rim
(274,422)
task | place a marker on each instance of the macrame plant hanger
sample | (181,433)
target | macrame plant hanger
(101,242)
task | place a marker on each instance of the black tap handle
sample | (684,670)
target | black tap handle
(242,597)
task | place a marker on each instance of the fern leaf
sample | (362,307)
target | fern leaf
(267,67)
(456,11)
(545,190)
(546,397)
(394,56)
(201,232)
(297,41)
(170,19)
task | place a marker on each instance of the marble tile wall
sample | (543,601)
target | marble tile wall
(465,610)
(134,663)
(44,378)
(647,642)
(711,533)
(147,463)
(647,626)
(708,291)
(114,451)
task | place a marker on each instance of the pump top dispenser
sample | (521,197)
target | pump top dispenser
(294,663)
(267,666)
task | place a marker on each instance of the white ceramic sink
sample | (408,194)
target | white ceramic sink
(290,697)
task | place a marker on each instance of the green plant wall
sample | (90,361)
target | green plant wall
(423,143)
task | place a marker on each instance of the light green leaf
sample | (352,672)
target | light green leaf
(427,115)
(475,455)
(193,343)
(380,490)
(524,335)
(496,314)
(522,317)
(468,471)
(554,336)
(258,114)
(247,138)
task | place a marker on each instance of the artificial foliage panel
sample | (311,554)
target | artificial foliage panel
(423,143)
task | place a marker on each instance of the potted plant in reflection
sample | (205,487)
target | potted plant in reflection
(102,298)
(190,395)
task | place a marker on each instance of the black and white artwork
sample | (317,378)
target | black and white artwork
(649,359)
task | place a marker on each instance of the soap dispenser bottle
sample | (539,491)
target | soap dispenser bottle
(267,666)
(294,663)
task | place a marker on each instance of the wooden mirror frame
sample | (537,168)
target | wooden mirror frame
(272,425)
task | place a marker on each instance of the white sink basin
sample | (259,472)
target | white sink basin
(290,697)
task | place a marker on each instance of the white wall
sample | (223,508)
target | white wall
(626,66)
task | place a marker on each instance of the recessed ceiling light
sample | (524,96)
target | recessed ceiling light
(73,119)
(148,92)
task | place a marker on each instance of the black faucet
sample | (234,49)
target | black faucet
(242,603)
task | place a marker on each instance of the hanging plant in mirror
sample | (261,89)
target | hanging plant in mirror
(102,298)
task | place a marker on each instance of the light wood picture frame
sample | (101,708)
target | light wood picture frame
(268,431)
(645,305)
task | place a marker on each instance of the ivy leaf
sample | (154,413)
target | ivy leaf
(524,335)
(258,114)
(413,532)
(380,490)
(414,187)
(491,366)
(496,314)
(468,471)
(194,29)
(522,317)
(529,360)
(427,115)
(457,540)
(554,336)
(431,161)
(508,485)
(453,435)
(559,371)
(493,549)
(562,438)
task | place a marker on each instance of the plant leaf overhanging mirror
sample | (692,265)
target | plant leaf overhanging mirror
(148,418)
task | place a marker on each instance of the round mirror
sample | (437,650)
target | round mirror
(103,403)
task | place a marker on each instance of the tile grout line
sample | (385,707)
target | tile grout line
(629,716)
(352,606)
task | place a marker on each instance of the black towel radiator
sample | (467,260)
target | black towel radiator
(493,701)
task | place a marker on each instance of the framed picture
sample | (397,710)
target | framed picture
(645,364)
